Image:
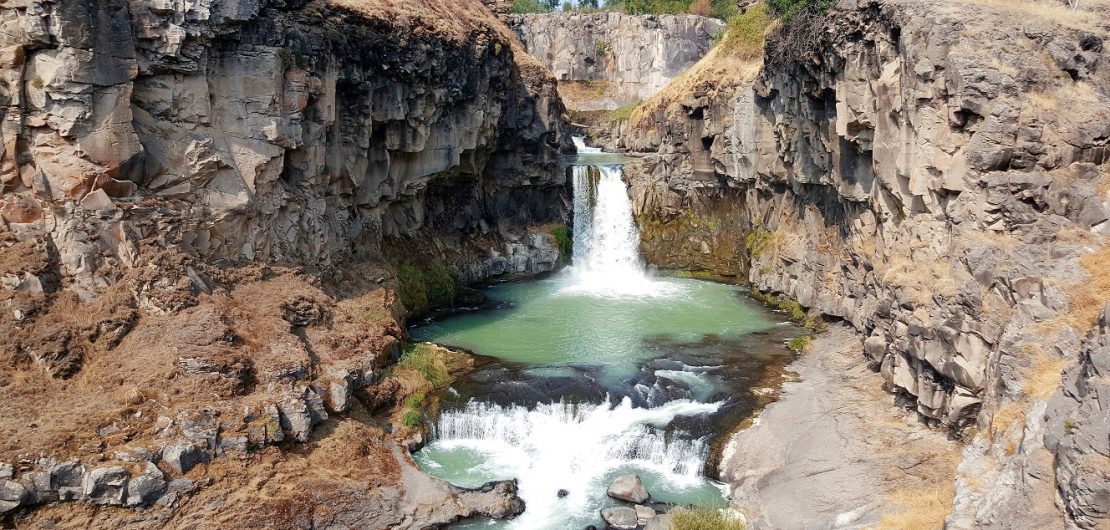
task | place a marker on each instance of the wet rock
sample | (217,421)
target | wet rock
(628,488)
(643,514)
(562,493)
(620,517)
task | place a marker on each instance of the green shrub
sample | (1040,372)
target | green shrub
(786,9)
(428,361)
(601,47)
(415,401)
(439,281)
(425,288)
(412,418)
(800,343)
(531,6)
(745,33)
(562,241)
(622,113)
(414,294)
(759,241)
(696,518)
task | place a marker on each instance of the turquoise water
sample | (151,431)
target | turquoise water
(590,382)
(553,323)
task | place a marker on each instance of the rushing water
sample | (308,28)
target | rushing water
(598,371)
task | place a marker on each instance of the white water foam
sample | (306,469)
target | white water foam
(606,239)
(573,447)
(580,144)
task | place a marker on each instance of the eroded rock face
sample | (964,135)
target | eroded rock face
(906,168)
(159,157)
(630,57)
(277,133)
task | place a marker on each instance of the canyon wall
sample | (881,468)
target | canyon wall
(934,174)
(205,207)
(604,61)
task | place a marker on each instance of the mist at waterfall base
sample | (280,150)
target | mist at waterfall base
(598,371)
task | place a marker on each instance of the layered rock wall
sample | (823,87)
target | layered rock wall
(906,167)
(275,132)
(609,60)
(199,202)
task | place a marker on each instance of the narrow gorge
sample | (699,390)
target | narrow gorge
(408,264)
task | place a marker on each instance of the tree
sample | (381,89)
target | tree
(550,5)
(701,8)
(587,4)
(568,7)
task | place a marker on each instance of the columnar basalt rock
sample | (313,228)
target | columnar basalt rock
(616,59)
(208,193)
(906,167)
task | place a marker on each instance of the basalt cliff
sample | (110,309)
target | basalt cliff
(934,174)
(216,216)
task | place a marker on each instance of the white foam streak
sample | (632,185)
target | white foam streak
(580,144)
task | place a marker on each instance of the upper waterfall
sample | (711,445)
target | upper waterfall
(606,240)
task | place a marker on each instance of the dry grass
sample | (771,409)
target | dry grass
(734,62)
(1006,416)
(1086,299)
(1087,17)
(1043,377)
(920,278)
(453,19)
(924,507)
(920,509)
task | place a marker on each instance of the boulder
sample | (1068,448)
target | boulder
(183,456)
(12,495)
(628,488)
(620,517)
(643,514)
(107,485)
(6,471)
(660,522)
(147,487)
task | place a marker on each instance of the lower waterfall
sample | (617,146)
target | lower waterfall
(573,447)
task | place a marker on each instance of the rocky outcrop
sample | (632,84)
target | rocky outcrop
(604,61)
(905,167)
(201,207)
(1077,431)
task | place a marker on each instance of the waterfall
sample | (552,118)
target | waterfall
(606,241)
(574,447)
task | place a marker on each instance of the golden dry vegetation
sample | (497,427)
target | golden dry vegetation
(734,62)
(924,507)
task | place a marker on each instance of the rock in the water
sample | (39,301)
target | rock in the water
(660,522)
(628,488)
(621,517)
(562,493)
(643,514)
